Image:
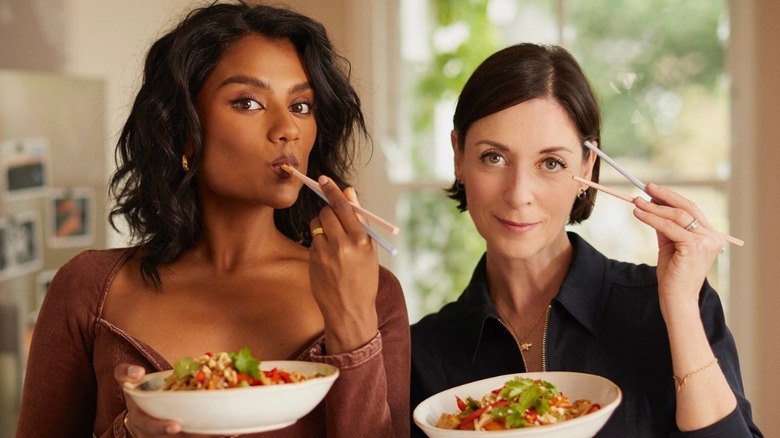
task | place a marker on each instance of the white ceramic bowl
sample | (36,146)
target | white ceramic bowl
(237,410)
(574,385)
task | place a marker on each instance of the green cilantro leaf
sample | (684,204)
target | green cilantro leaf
(245,363)
(185,367)
(515,419)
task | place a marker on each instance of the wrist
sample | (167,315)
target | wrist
(349,333)
(675,311)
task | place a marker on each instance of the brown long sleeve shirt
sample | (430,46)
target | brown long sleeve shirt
(70,389)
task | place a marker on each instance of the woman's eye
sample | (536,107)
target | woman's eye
(554,164)
(301,108)
(247,104)
(492,158)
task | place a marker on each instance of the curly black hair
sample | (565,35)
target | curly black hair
(520,73)
(155,196)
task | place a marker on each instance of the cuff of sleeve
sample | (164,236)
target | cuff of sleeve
(352,359)
(119,426)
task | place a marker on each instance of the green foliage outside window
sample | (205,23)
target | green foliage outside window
(645,57)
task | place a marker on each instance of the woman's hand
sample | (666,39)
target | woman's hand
(344,272)
(139,424)
(687,246)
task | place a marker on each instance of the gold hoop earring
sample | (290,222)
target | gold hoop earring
(184,164)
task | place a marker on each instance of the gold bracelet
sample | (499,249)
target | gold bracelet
(127,428)
(681,382)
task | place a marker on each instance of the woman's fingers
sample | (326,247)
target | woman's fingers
(343,271)
(340,205)
(351,195)
(139,423)
(142,425)
(126,372)
(679,224)
(684,209)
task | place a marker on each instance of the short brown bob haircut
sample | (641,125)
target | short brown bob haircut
(520,73)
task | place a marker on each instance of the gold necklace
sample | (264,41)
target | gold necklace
(525,346)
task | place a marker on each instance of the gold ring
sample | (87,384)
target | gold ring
(692,226)
(317,231)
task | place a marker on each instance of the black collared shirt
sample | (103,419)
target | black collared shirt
(605,320)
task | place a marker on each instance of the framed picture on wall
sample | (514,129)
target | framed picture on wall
(21,247)
(25,167)
(71,213)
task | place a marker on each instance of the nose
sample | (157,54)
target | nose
(519,189)
(284,128)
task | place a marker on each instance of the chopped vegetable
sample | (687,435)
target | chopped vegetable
(226,370)
(185,367)
(245,363)
(519,403)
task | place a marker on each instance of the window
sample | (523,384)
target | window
(658,68)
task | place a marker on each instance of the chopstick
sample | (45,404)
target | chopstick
(315,187)
(634,180)
(604,189)
(623,196)
(642,186)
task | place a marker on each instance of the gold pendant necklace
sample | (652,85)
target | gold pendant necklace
(524,344)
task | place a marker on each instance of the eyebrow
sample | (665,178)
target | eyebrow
(258,83)
(548,150)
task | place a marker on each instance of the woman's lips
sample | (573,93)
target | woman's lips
(276,166)
(517,227)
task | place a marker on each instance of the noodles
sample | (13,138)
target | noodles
(226,370)
(519,403)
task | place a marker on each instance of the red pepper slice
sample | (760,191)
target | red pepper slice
(273,375)
(241,377)
(466,423)
(285,376)
(474,415)
(593,408)
(499,403)
(461,404)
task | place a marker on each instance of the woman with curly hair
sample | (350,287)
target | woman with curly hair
(229,251)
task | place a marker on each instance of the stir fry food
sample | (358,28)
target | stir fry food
(226,370)
(521,402)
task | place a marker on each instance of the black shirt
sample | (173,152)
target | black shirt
(605,320)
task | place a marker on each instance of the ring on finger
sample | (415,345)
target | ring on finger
(317,231)
(692,226)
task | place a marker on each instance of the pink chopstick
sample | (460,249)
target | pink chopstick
(604,189)
(316,188)
(623,196)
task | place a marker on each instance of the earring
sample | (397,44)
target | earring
(459,185)
(184,164)
(582,194)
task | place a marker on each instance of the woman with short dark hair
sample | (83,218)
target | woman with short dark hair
(542,298)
